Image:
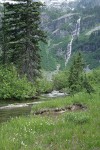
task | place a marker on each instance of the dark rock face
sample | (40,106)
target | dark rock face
(88,3)
(57,24)
(89,22)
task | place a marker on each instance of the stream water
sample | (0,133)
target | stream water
(15,110)
(6,114)
(8,111)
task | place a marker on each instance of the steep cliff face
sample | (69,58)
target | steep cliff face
(89,39)
(61,26)
(88,3)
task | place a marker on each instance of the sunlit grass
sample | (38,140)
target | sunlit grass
(77,130)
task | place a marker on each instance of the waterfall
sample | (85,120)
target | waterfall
(75,33)
(69,50)
(78,26)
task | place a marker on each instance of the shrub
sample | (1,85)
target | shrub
(12,86)
(43,86)
(60,80)
(94,76)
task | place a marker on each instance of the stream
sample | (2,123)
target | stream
(75,33)
(15,110)
(8,111)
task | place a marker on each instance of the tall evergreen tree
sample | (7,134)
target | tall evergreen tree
(2,36)
(23,34)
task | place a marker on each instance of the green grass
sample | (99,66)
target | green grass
(77,130)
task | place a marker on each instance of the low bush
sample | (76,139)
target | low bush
(94,76)
(60,80)
(43,86)
(12,86)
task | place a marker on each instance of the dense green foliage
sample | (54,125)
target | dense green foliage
(21,35)
(60,80)
(75,79)
(94,77)
(43,86)
(12,86)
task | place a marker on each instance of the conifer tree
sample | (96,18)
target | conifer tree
(77,78)
(76,74)
(23,34)
(2,36)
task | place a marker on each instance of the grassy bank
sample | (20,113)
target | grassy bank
(74,130)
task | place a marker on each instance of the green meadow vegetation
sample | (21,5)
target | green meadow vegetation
(70,130)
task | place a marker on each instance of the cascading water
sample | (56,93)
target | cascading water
(78,26)
(75,33)
(69,50)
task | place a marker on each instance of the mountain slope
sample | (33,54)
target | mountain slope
(62,25)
